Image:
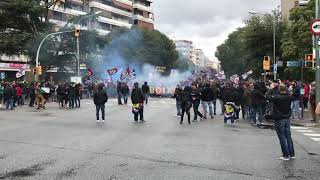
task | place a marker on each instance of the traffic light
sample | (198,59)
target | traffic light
(34,71)
(77,31)
(39,70)
(309,57)
(266,63)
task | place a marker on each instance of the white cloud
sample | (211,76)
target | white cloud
(206,22)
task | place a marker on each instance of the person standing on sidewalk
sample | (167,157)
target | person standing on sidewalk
(312,101)
(296,101)
(281,114)
(100,98)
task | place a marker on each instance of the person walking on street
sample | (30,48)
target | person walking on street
(32,95)
(257,102)
(1,93)
(39,97)
(186,103)
(125,92)
(72,95)
(78,95)
(137,99)
(207,98)
(100,98)
(146,91)
(119,90)
(18,91)
(281,114)
(196,99)
(8,95)
(215,91)
(177,96)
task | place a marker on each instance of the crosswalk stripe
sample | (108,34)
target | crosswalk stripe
(295,127)
(311,135)
(316,139)
(305,131)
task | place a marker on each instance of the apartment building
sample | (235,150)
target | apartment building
(113,13)
(200,58)
(287,5)
(185,48)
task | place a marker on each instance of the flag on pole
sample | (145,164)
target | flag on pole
(125,74)
(112,71)
(89,72)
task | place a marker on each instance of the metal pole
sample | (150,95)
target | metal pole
(317,61)
(78,57)
(274,48)
(265,77)
(36,77)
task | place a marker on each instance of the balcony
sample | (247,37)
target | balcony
(127,2)
(114,22)
(67,11)
(141,18)
(109,8)
(57,22)
(142,7)
(101,31)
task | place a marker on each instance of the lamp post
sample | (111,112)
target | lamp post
(77,25)
(316,46)
(274,42)
(36,77)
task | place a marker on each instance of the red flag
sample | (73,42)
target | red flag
(125,74)
(112,71)
(90,72)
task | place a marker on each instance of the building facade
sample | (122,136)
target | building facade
(113,13)
(287,5)
(200,58)
(185,48)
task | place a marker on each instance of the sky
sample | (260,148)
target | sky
(205,22)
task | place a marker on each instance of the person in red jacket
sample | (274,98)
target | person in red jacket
(306,95)
(19,94)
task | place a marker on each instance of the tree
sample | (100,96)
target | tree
(245,48)
(20,23)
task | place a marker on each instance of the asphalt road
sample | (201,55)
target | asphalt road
(69,144)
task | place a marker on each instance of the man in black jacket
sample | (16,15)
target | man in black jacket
(196,98)
(100,98)
(137,98)
(146,91)
(281,114)
(8,95)
(207,98)
(32,95)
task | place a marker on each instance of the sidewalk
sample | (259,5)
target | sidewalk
(306,121)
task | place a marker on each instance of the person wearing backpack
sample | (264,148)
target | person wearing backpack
(100,98)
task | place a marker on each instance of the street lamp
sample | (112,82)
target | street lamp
(274,42)
(36,78)
(78,44)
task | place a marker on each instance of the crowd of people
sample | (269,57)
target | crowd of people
(246,97)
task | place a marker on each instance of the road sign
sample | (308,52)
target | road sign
(2,75)
(275,68)
(315,27)
(294,63)
(280,63)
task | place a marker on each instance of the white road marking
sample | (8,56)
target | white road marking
(311,135)
(305,131)
(295,127)
(316,139)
